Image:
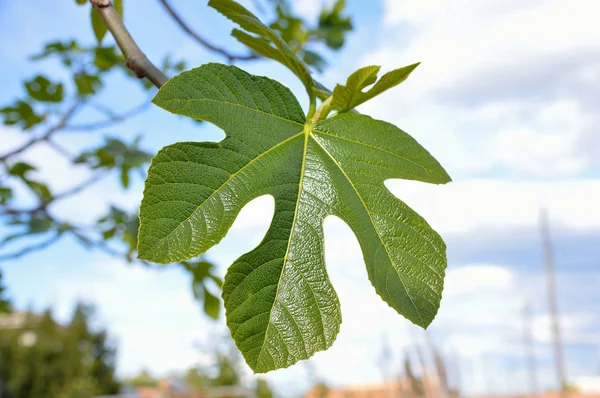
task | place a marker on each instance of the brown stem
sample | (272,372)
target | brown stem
(135,59)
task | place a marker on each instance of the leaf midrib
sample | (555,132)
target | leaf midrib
(306,132)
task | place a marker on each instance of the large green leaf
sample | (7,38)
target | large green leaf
(349,96)
(261,43)
(281,306)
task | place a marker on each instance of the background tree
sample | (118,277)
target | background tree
(143,379)
(263,390)
(42,358)
(5,305)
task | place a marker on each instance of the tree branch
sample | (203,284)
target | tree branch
(28,249)
(202,41)
(135,59)
(113,118)
(46,136)
(78,188)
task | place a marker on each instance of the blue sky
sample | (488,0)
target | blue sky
(506,98)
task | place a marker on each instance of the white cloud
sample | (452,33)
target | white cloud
(476,278)
(493,76)
(472,206)
(460,208)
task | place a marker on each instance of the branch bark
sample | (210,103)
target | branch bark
(136,60)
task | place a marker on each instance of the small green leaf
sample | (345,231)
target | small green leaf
(125,176)
(281,52)
(87,84)
(333,26)
(6,194)
(42,89)
(21,114)
(98,25)
(349,96)
(81,2)
(105,58)
(118,4)
(212,305)
(281,306)
(20,169)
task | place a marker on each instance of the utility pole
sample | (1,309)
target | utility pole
(529,350)
(552,303)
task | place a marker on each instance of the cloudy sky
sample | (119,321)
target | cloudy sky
(506,98)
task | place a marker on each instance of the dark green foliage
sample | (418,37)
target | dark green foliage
(333,26)
(5,305)
(42,358)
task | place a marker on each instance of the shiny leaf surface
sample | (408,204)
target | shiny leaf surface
(280,304)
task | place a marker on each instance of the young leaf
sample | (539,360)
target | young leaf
(261,44)
(280,304)
(98,24)
(351,95)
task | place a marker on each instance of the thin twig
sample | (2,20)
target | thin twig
(135,59)
(111,120)
(43,206)
(60,149)
(44,137)
(79,187)
(28,249)
(202,41)
(97,244)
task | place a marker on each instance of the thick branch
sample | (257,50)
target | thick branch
(136,60)
(202,41)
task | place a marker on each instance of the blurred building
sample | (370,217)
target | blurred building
(173,388)
(396,389)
